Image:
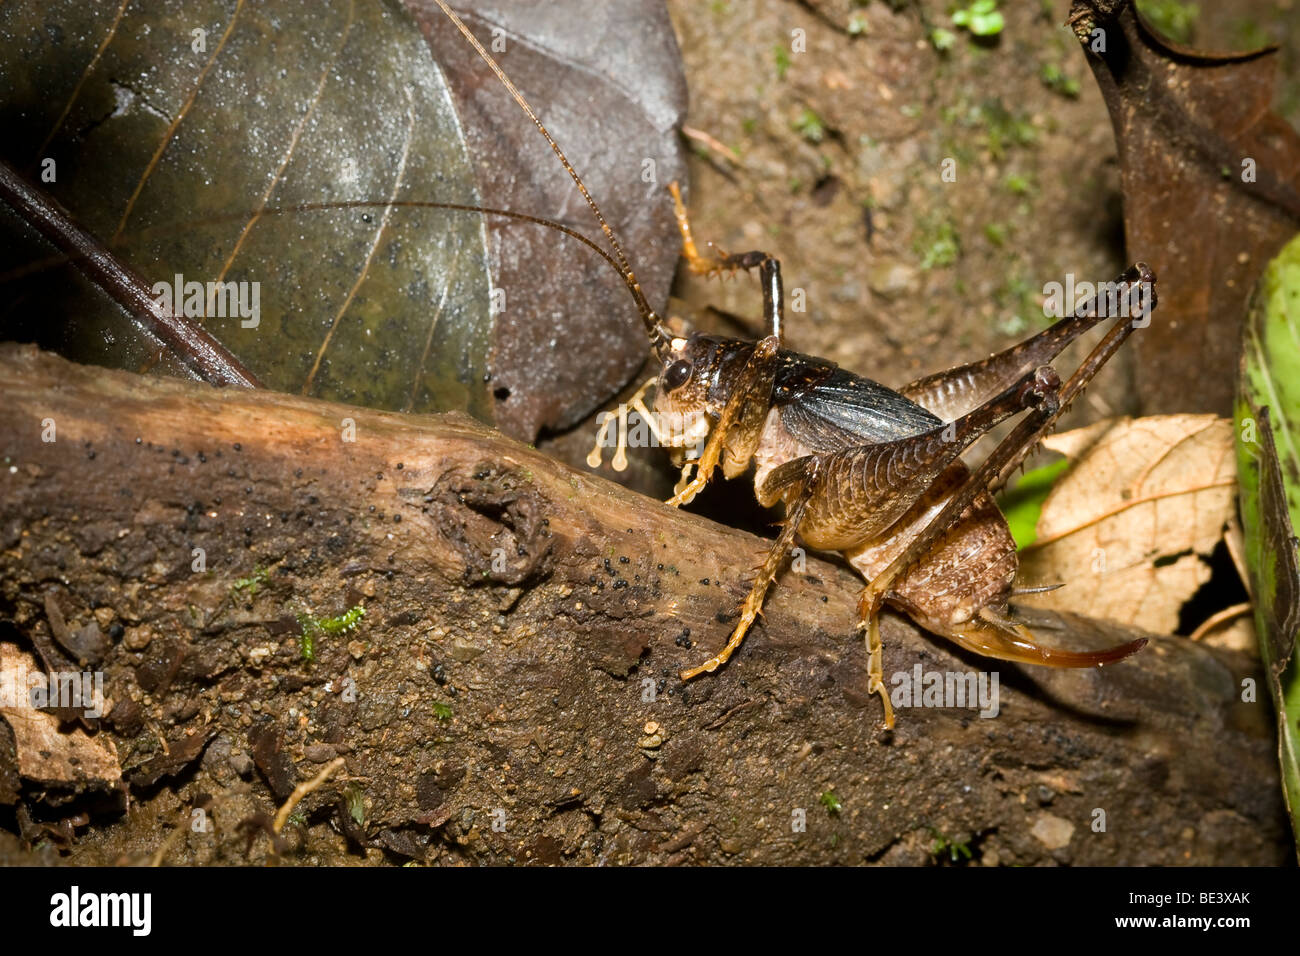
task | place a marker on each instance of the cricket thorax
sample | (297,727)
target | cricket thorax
(775,448)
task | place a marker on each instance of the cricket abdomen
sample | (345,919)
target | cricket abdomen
(972,566)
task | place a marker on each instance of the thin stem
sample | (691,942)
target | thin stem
(190,342)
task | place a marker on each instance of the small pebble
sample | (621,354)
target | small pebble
(319,753)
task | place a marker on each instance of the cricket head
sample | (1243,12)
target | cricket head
(692,389)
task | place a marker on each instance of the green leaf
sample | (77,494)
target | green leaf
(1268,466)
(986,25)
(252,583)
(1024,503)
(782,59)
(938,246)
(344,622)
(810,126)
(1054,79)
(996,233)
(942,39)
(981,18)
(356,802)
(1271,370)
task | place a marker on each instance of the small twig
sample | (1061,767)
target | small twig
(1214,620)
(711,144)
(684,838)
(300,791)
(166,846)
(743,705)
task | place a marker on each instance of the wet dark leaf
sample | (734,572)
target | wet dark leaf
(1211,182)
(267,743)
(178,755)
(172,124)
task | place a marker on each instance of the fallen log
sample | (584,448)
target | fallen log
(508,692)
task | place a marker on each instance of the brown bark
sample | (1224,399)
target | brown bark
(512,692)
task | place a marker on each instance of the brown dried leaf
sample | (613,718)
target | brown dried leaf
(1126,528)
(1211,181)
(619,130)
(47,755)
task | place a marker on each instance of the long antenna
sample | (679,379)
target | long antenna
(138,235)
(654,326)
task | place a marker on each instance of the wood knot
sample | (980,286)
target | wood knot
(496,520)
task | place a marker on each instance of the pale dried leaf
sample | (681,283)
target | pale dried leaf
(1128,527)
(47,755)
(1237,634)
(1074,443)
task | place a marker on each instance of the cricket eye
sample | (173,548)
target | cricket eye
(676,375)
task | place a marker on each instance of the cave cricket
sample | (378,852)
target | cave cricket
(872,473)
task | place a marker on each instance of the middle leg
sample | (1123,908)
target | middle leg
(749,611)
